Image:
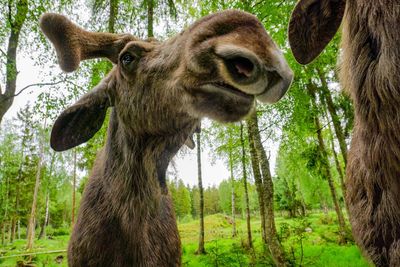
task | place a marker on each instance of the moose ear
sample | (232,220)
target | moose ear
(78,123)
(74,44)
(312,26)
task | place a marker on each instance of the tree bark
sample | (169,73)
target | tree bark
(113,15)
(338,168)
(6,201)
(42,233)
(17,199)
(3,233)
(7,98)
(201,249)
(19,228)
(73,191)
(258,181)
(246,193)
(325,169)
(233,202)
(326,94)
(13,229)
(150,16)
(274,245)
(32,219)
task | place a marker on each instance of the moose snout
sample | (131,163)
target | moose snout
(250,74)
(241,65)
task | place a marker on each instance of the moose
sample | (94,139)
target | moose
(369,73)
(158,92)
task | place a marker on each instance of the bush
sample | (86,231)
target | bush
(326,219)
(50,231)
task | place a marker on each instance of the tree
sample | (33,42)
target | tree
(326,95)
(32,218)
(246,193)
(15,23)
(325,168)
(200,249)
(261,160)
(233,197)
(181,197)
(73,190)
(258,181)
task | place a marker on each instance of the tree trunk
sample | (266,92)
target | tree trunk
(258,181)
(274,245)
(113,15)
(150,15)
(327,173)
(6,203)
(7,98)
(3,233)
(16,205)
(339,168)
(337,163)
(32,219)
(13,229)
(325,168)
(42,233)
(246,193)
(73,191)
(326,94)
(201,249)
(233,202)
(9,231)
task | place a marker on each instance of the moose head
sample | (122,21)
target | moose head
(216,68)
(159,91)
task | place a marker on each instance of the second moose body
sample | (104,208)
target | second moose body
(159,92)
(369,73)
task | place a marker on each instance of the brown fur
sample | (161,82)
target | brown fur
(126,216)
(369,72)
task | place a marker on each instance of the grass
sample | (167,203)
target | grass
(319,245)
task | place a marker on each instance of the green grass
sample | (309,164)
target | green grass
(320,246)
(18,247)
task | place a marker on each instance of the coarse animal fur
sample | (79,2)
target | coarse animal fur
(158,91)
(369,69)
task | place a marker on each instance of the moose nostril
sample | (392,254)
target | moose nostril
(243,66)
(240,67)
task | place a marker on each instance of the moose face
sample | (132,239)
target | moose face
(216,68)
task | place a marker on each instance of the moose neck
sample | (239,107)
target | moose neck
(135,166)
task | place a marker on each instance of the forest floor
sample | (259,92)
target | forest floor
(309,241)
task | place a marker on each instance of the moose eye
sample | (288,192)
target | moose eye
(127,58)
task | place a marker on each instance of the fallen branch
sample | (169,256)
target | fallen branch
(34,253)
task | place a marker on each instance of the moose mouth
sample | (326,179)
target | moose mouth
(221,86)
